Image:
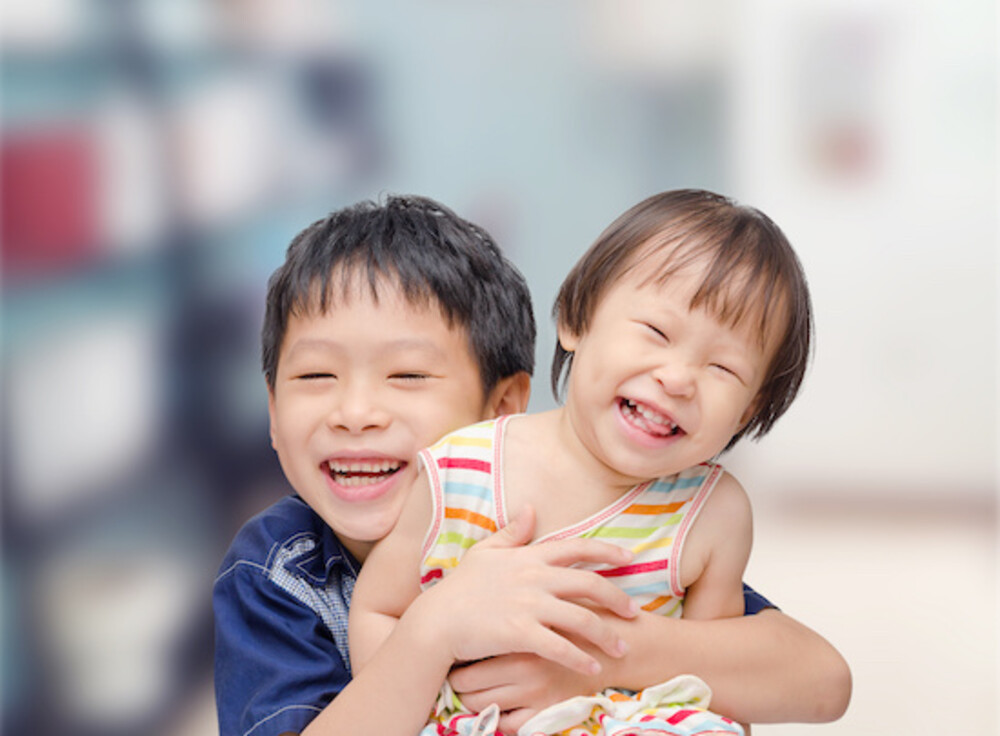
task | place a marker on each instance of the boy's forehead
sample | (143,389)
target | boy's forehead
(347,286)
(417,311)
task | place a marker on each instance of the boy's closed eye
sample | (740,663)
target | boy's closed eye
(315,376)
(410,377)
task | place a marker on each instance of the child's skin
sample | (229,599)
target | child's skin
(398,388)
(592,452)
(769,646)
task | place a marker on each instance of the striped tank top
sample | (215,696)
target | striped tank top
(652,519)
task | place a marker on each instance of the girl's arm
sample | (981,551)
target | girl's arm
(502,598)
(715,553)
(765,668)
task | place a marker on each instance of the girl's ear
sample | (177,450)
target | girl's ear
(509,396)
(749,413)
(567,338)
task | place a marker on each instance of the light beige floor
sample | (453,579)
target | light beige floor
(910,599)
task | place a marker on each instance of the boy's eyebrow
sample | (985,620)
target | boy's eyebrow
(398,345)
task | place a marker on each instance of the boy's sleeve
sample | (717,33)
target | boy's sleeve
(276,665)
(754,602)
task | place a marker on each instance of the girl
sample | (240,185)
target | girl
(686,326)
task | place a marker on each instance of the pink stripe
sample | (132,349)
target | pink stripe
(689,518)
(437,501)
(499,500)
(634,569)
(431,575)
(464,463)
(680,716)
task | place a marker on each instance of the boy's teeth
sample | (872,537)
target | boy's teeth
(356,473)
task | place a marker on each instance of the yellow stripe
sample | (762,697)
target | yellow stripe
(643,546)
(446,562)
(470,516)
(462,442)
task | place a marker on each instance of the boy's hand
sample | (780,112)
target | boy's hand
(521,685)
(507,597)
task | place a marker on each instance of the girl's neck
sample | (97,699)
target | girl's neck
(547,465)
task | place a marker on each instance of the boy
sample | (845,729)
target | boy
(387,327)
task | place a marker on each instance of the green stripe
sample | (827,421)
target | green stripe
(629,532)
(455,538)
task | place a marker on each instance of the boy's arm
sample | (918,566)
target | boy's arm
(764,668)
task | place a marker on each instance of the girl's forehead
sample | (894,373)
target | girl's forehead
(736,297)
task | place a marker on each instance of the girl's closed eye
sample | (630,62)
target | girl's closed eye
(728,370)
(657,331)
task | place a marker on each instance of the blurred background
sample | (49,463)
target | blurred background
(158,155)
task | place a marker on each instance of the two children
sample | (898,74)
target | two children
(388,327)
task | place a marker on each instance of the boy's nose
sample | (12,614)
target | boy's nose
(357,410)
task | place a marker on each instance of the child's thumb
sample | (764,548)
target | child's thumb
(518,531)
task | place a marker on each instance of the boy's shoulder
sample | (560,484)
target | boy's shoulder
(289,536)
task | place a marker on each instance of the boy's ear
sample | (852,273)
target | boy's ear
(509,396)
(271,414)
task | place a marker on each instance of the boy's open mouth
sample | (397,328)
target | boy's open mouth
(362,472)
(648,419)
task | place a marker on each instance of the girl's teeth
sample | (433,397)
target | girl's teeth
(651,416)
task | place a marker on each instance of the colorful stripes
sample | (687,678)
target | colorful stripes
(651,520)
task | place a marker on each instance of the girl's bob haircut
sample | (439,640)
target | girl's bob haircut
(749,272)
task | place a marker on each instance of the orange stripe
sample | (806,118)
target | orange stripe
(472,517)
(645,508)
(656,603)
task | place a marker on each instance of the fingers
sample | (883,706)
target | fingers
(566,552)
(486,673)
(572,620)
(554,647)
(519,531)
(511,721)
(572,583)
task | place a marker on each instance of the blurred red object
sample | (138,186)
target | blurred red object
(48,200)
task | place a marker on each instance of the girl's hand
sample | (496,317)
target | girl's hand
(505,597)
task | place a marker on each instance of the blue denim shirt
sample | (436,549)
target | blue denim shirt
(281,602)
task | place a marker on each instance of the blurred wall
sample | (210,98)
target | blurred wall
(158,155)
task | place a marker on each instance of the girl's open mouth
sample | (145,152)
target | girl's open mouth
(648,419)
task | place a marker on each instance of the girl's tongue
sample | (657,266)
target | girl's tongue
(648,420)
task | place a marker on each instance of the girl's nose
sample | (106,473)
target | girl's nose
(676,378)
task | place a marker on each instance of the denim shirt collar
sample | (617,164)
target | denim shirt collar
(325,558)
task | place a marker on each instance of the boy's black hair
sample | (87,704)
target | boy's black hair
(431,254)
